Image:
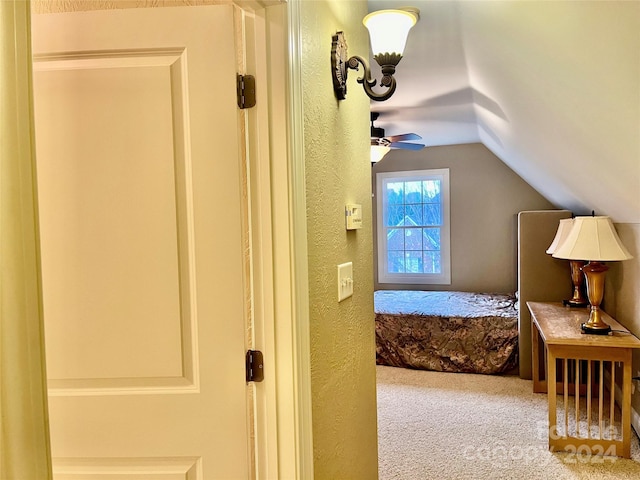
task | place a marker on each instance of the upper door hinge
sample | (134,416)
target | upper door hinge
(246,90)
(255,366)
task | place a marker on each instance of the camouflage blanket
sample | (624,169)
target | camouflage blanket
(446,331)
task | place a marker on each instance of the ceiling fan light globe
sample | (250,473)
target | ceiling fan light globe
(378,152)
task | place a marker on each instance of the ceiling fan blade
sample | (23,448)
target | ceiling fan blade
(406,136)
(406,146)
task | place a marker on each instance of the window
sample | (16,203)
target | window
(413,227)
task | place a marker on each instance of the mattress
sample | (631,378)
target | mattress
(446,331)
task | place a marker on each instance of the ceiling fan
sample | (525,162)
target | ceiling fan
(378,137)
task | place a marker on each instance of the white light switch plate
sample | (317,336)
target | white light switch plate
(345,280)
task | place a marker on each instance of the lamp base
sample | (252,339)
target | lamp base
(577,278)
(575,303)
(595,331)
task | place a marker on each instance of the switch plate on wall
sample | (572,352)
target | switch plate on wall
(353,217)
(345,280)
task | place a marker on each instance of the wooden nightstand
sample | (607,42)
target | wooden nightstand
(583,370)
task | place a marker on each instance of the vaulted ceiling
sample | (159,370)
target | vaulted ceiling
(552,88)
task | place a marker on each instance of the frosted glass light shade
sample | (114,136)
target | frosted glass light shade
(377,152)
(388,30)
(593,239)
(561,235)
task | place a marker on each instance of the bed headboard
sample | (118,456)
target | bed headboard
(540,276)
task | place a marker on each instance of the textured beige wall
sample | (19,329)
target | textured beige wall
(486,196)
(336,136)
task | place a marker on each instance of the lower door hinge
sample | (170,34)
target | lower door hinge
(255,366)
(246,90)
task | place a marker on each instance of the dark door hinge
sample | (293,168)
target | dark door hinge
(255,366)
(246,90)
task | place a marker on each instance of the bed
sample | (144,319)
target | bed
(446,331)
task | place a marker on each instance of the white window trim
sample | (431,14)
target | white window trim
(443,278)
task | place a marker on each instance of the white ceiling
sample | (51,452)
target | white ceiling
(550,87)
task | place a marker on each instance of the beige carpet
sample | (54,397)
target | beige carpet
(442,426)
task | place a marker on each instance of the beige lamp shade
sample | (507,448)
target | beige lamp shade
(594,239)
(561,235)
(378,152)
(389,29)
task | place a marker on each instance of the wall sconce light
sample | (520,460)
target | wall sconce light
(388,31)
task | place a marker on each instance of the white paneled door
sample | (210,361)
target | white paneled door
(139,178)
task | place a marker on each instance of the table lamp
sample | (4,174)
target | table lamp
(595,240)
(577,300)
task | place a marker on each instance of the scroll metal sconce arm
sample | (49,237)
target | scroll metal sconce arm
(341,65)
(388,80)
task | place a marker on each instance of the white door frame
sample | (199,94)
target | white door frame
(284,440)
